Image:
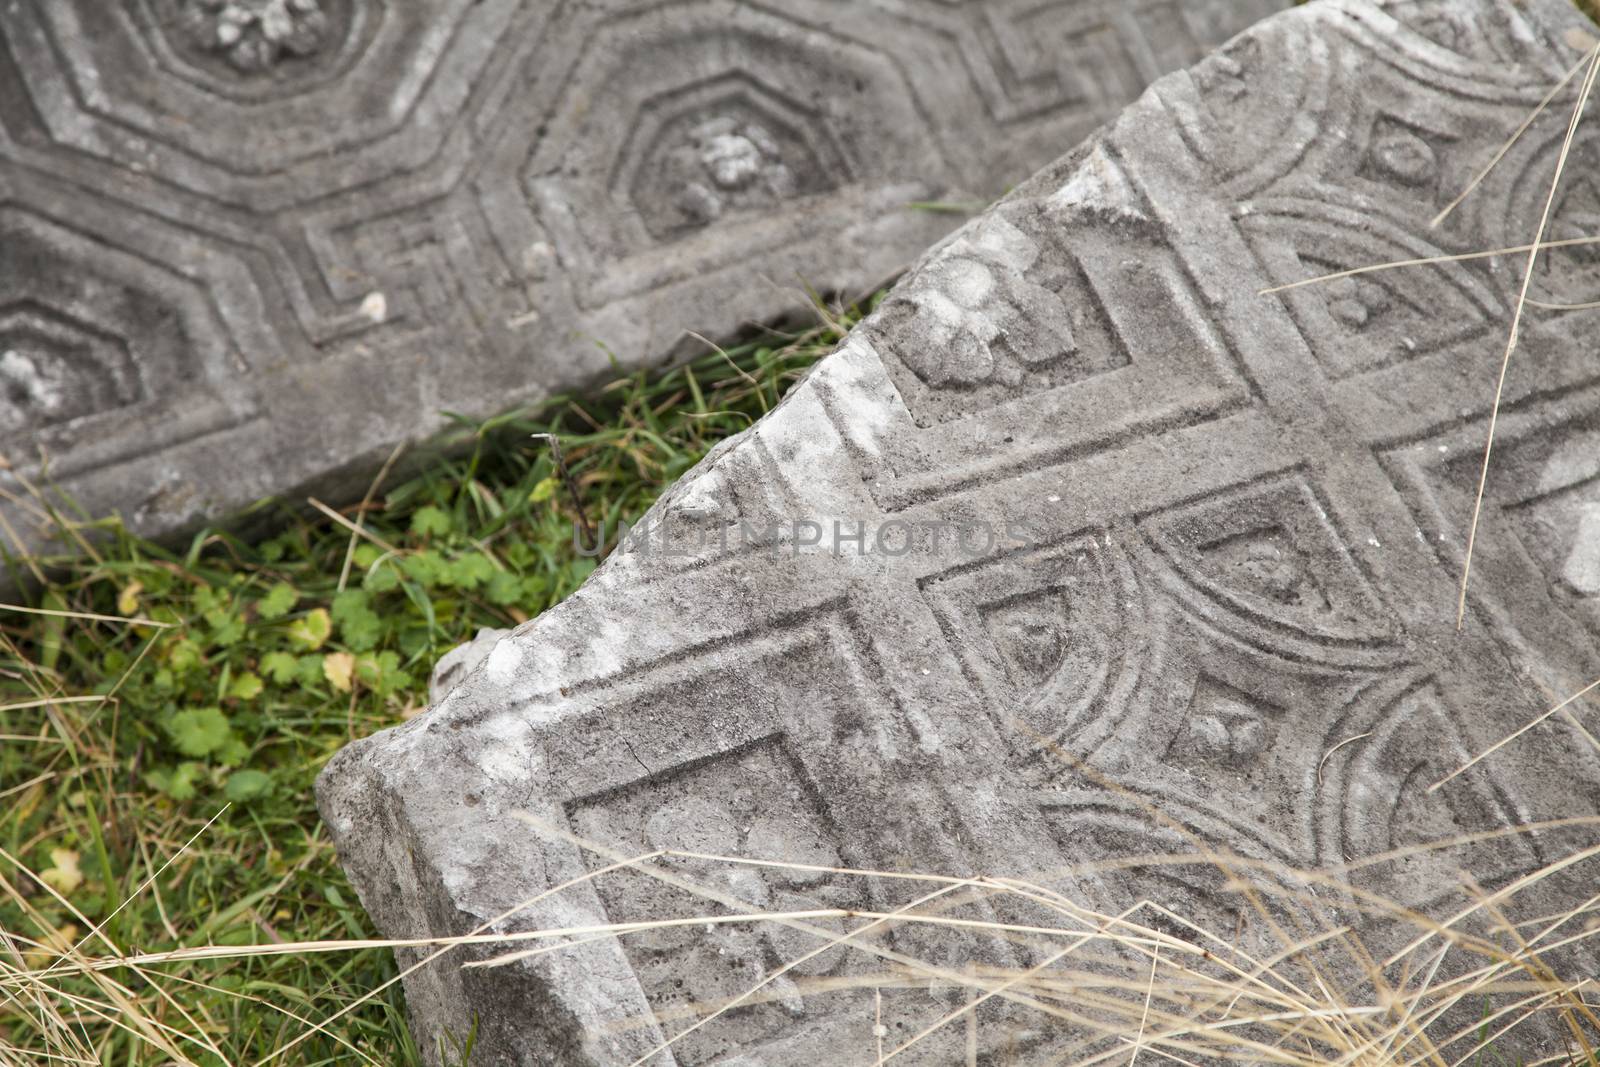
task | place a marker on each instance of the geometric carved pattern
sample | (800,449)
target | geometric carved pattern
(1030,632)
(1224,727)
(1367,322)
(436,194)
(1113,336)
(986,322)
(104,354)
(1195,902)
(1223,615)
(1270,553)
(772,779)
(55,369)
(747,802)
(1542,515)
(1379,784)
(1034,59)
(253,36)
(724,146)
(1048,633)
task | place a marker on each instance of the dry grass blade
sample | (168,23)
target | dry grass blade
(1423,261)
(1545,305)
(1187,1004)
(23,705)
(355,528)
(366,502)
(1144,1016)
(1516,324)
(89,616)
(1160,1005)
(727,900)
(719,350)
(972,1005)
(786,968)
(1509,890)
(96,928)
(1504,741)
(1510,142)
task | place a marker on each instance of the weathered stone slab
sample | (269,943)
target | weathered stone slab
(460,661)
(1077,507)
(248,246)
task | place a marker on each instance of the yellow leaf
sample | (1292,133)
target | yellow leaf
(128,599)
(310,632)
(337,668)
(64,876)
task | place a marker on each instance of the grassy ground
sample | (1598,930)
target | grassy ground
(121,740)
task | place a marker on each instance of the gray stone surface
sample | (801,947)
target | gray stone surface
(248,246)
(460,661)
(1231,527)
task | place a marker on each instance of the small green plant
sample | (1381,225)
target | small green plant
(164,711)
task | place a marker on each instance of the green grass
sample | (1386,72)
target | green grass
(259,658)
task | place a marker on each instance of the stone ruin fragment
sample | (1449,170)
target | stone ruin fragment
(248,247)
(1082,548)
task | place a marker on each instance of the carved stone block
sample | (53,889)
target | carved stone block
(1113,554)
(249,246)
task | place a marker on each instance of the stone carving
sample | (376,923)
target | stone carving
(254,34)
(107,355)
(749,800)
(54,369)
(407,209)
(1222,611)
(978,315)
(1571,275)
(722,163)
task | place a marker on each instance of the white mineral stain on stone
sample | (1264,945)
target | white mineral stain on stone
(503,663)
(375,306)
(501,763)
(928,738)
(699,498)
(1582,569)
(537,258)
(839,537)
(548,657)
(801,437)
(860,392)
(1098,185)
(24,382)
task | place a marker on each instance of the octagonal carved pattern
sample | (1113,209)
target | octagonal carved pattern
(105,355)
(55,369)
(255,36)
(475,200)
